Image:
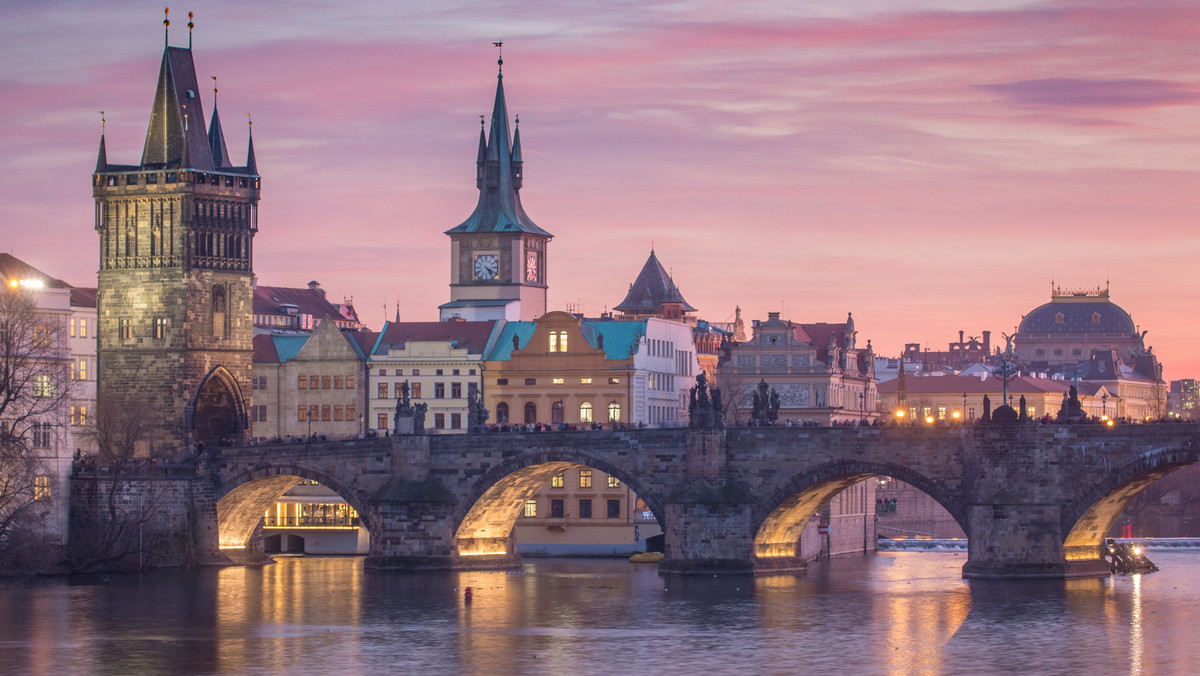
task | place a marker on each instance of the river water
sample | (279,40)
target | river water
(890,612)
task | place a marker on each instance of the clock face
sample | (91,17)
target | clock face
(486,267)
(531,267)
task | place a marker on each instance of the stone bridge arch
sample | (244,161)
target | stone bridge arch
(242,498)
(484,519)
(1087,518)
(781,515)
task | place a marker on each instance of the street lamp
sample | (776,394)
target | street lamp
(964,408)
(1104,404)
(310,422)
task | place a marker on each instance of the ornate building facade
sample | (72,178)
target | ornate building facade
(174,302)
(820,373)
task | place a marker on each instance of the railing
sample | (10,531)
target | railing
(311,522)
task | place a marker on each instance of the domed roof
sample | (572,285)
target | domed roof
(1079,312)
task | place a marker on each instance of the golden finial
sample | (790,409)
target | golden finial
(166,26)
(102,123)
(249,122)
(190,27)
(214,79)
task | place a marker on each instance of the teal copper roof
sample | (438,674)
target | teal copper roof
(620,337)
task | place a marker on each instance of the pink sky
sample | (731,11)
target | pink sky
(926,167)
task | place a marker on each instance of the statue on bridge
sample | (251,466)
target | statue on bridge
(766,405)
(704,405)
(477,415)
(409,418)
(1071,410)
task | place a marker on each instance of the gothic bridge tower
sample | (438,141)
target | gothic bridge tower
(175,280)
(498,255)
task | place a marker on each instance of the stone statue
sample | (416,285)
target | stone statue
(704,411)
(419,418)
(477,415)
(987,410)
(766,404)
(408,419)
(1024,412)
(1072,409)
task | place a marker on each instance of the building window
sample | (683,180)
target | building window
(383,372)
(439,390)
(585,508)
(382,391)
(72,327)
(585,478)
(614,509)
(124,329)
(553,341)
(1030,411)
(530,412)
(302,413)
(301,382)
(613,482)
(562,341)
(941,412)
(42,336)
(41,488)
(314,382)
(585,412)
(314,412)
(971,413)
(218,311)
(350,412)
(585,381)
(530,509)
(437,372)
(557,381)
(337,383)
(327,382)
(456,421)
(338,412)
(42,385)
(556,413)
(83,369)
(557,481)
(456,390)
(470,372)
(614,411)
(41,435)
(502,412)
(83,327)
(614,381)
(439,421)
(502,381)
(160,327)
(531,381)
(416,372)
(349,382)
(416,390)
(381,422)
(556,509)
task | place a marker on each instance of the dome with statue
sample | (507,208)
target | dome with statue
(1074,324)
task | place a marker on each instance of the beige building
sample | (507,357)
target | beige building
(585,512)
(442,363)
(308,384)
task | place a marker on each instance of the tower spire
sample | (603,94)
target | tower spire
(216,135)
(251,164)
(102,156)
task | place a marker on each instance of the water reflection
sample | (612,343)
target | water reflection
(899,612)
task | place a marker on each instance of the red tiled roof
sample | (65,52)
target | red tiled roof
(264,350)
(267,300)
(973,385)
(473,336)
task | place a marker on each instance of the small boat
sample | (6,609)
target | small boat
(647,557)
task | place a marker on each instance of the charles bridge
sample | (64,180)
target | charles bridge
(1034,500)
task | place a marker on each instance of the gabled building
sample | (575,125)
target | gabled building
(442,363)
(308,384)
(498,256)
(820,373)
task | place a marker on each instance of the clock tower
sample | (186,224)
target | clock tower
(497,255)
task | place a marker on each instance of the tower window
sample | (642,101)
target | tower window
(219,308)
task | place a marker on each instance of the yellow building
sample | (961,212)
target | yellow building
(948,399)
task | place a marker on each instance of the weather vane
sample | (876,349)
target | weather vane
(500,55)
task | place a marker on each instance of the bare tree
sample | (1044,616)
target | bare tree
(35,393)
(109,535)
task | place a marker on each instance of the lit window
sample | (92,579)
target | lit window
(381,422)
(614,381)
(82,327)
(941,412)
(585,412)
(585,478)
(124,329)
(557,481)
(613,482)
(553,342)
(41,488)
(585,381)
(557,381)
(562,341)
(72,327)
(614,412)
(530,509)
(160,327)
(42,385)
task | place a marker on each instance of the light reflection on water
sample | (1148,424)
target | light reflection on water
(896,612)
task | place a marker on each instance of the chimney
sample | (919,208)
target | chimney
(960,337)
(316,286)
(987,342)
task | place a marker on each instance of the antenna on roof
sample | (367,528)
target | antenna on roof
(166,26)
(190,27)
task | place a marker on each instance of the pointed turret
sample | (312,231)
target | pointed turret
(177,113)
(654,293)
(216,140)
(498,178)
(101,157)
(251,163)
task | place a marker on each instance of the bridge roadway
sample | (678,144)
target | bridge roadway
(1034,500)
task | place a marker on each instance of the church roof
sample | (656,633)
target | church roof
(499,179)
(651,289)
(1082,312)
